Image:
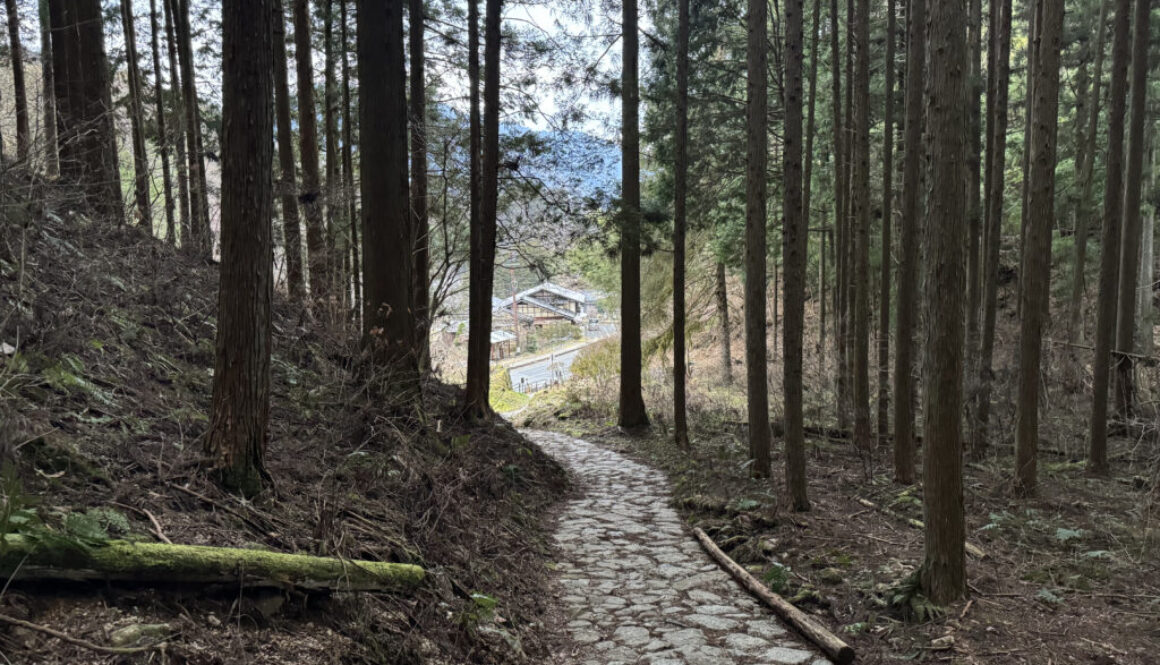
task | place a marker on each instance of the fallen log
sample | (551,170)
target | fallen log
(836,649)
(973,550)
(25,559)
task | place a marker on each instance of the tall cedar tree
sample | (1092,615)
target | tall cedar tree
(318,265)
(1110,243)
(943,572)
(808,170)
(241,390)
(909,240)
(291,228)
(680,195)
(348,121)
(48,100)
(974,161)
(333,162)
(163,137)
(198,195)
(1086,167)
(795,238)
(1130,246)
(997,96)
(632,412)
(721,295)
(489,185)
(839,187)
(418,101)
(388,322)
(479,323)
(86,139)
(142,181)
(886,260)
(755,245)
(185,230)
(861,228)
(19,94)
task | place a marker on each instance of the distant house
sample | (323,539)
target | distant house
(503,344)
(545,304)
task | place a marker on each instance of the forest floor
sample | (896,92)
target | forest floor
(105,385)
(1069,576)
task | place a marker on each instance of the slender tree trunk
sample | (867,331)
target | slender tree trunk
(887,222)
(974,161)
(909,240)
(348,166)
(755,243)
(200,237)
(51,163)
(1110,242)
(141,170)
(291,229)
(478,351)
(1125,384)
(162,134)
(1145,342)
(632,411)
(722,297)
(241,395)
(19,94)
(1000,74)
(185,228)
(943,572)
(1036,263)
(1086,169)
(333,161)
(388,322)
(861,226)
(680,185)
(419,183)
(318,265)
(1033,27)
(796,242)
(839,204)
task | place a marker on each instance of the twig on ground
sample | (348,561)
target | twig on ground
(77,641)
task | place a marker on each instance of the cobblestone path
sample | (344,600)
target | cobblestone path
(637,588)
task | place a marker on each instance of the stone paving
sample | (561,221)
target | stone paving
(638,588)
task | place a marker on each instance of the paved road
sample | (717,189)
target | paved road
(538,375)
(636,586)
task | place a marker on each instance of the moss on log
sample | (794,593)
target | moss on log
(120,560)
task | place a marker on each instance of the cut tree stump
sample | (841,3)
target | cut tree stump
(835,648)
(25,559)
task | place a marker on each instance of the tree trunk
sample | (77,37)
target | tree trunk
(861,221)
(19,94)
(201,240)
(348,166)
(48,99)
(722,297)
(795,237)
(632,411)
(909,240)
(291,229)
(1110,242)
(974,161)
(318,265)
(241,393)
(839,206)
(185,229)
(755,244)
(1033,26)
(1000,77)
(162,134)
(1144,335)
(887,222)
(388,323)
(479,326)
(680,185)
(1125,387)
(86,138)
(419,184)
(141,171)
(943,572)
(1086,168)
(333,161)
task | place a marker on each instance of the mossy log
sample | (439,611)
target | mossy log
(117,560)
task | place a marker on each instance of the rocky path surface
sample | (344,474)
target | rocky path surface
(637,588)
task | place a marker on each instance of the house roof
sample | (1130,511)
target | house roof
(500,336)
(571,316)
(554,289)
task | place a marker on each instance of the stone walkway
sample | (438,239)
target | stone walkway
(637,587)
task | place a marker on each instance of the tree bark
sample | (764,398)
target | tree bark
(632,415)
(722,297)
(388,322)
(419,183)
(348,166)
(333,161)
(291,229)
(943,572)
(680,196)
(479,320)
(795,238)
(887,222)
(1110,242)
(185,228)
(839,206)
(974,161)
(200,236)
(241,395)
(19,94)
(318,265)
(1125,384)
(141,171)
(162,134)
(48,99)
(755,242)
